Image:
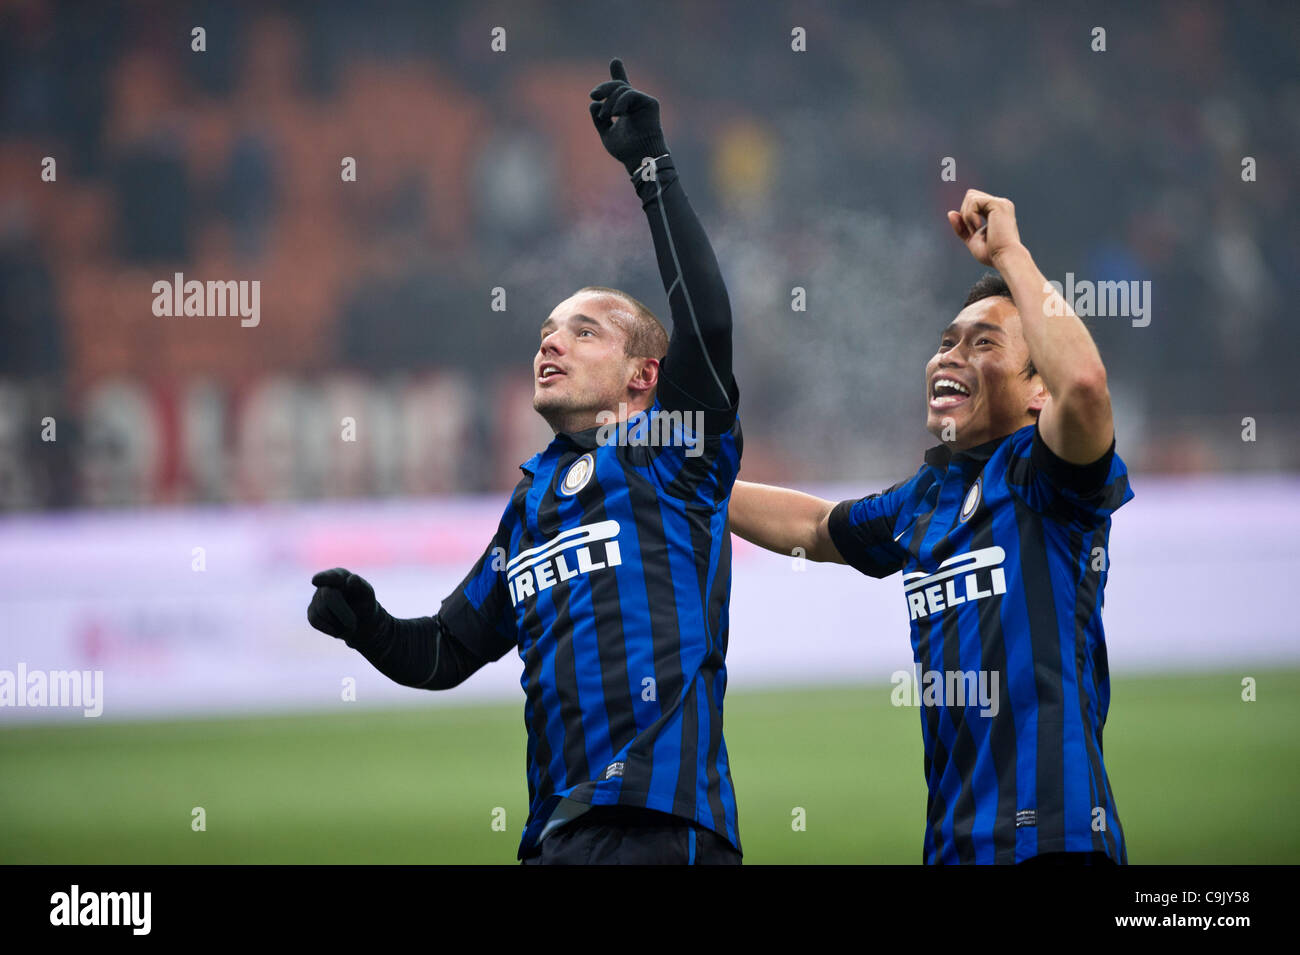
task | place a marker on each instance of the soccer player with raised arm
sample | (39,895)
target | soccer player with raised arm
(609,573)
(1001,536)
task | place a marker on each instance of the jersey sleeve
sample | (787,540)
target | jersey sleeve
(1085,494)
(863,530)
(478,612)
(696,373)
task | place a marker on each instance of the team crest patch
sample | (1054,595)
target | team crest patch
(579,473)
(972,500)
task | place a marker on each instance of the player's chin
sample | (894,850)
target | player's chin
(549,399)
(952,420)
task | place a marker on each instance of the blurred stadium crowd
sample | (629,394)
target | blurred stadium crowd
(478,170)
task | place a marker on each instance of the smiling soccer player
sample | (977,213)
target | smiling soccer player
(609,573)
(1002,536)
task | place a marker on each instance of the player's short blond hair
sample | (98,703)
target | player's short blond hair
(646,336)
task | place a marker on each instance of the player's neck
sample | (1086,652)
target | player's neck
(571,422)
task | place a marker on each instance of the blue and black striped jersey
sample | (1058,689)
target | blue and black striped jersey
(610,574)
(1004,554)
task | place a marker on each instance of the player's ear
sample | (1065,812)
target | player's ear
(645,375)
(1038,395)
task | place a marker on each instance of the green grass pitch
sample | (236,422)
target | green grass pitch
(1199,775)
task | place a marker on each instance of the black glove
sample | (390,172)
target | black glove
(637,134)
(344,606)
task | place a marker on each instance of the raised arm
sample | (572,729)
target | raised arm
(779,519)
(696,373)
(1076,421)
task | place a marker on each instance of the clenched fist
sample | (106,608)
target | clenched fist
(987,241)
(344,606)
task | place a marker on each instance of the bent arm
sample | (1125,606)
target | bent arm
(780,519)
(419,652)
(470,630)
(1076,422)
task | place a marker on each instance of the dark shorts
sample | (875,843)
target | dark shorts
(622,835)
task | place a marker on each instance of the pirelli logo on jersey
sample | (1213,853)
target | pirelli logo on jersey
(579,550)
(961,578)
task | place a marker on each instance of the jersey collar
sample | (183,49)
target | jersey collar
(587,440)
(940,456)
(583,440)
(564,441)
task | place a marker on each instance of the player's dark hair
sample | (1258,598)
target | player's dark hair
(647,337)
(992,285)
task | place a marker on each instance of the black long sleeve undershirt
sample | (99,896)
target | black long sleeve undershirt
(418,652)
(696,373)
